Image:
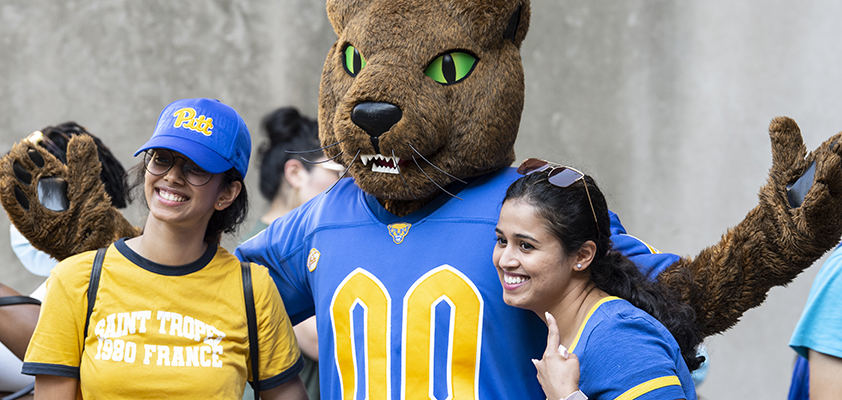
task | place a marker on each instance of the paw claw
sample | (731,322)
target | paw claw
(36,158)
(21,174)
(21,198)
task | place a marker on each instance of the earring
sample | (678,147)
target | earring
(578,266)
(220,204)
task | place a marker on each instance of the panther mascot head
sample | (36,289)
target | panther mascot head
(418,95)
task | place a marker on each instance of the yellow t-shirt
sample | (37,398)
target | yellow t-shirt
(179,332)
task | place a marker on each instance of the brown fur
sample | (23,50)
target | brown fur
(90,222)
(774,243)
(468,129)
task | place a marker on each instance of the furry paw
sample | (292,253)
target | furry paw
(821,211)
(51,192)
(61,209)
(776,240)
(807,212)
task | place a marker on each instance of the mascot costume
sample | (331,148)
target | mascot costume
(421,101)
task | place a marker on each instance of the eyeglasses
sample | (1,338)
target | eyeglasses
(558,175)
(159,161)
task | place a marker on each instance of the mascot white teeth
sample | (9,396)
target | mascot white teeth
(386,165)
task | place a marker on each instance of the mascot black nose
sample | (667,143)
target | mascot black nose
(376,118)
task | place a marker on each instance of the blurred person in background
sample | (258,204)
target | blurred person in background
(287,182)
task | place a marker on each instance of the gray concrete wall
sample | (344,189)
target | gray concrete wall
(666,103)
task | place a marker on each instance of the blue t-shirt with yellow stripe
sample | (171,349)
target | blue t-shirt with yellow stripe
(625,353)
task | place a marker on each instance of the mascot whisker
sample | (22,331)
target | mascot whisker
(431,164)
(404,179)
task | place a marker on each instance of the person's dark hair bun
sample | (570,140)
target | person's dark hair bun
(286,129)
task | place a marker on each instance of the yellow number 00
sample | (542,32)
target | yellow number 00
(443,284)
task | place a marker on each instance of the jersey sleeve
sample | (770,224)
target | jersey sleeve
(280,357)
(820,323)
(57,343)
(281,249)
(633,361)
(648,259)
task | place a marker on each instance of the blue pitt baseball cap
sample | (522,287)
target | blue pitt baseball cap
(206,131)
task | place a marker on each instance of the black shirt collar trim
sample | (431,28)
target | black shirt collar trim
(161,269)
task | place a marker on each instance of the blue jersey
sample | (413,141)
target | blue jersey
(408,307)
(625,353)
(799,386)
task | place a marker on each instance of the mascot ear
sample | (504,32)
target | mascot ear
(514,21)
(339,12)
(493,19)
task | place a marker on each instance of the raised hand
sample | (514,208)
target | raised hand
(786,233)
(807,226)
(61,209)
(558,371)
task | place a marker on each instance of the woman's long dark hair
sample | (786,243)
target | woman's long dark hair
(567,215)
(225,221)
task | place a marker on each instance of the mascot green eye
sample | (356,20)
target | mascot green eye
(353,60)
(450,68)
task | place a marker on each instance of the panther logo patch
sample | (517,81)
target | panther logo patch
(398,231)
(313,259)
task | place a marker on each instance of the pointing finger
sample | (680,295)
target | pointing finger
(553,340)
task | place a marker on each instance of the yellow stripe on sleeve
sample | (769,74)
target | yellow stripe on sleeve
(649,386)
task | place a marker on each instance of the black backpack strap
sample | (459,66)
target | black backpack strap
(93,286)
(14,300)
(251,316)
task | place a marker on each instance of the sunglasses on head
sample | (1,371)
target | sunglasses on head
(558,175)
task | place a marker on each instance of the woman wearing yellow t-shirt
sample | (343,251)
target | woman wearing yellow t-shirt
(169,318)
